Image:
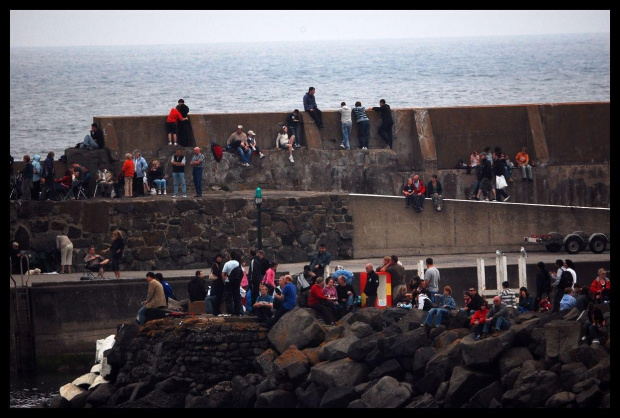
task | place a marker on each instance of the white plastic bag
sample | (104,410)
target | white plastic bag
(500,182)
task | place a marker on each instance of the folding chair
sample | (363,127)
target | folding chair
(91,273)
(15,187)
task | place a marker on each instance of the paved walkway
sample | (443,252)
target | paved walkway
(355,265)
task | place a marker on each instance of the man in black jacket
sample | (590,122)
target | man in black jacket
(258,267)
(485,174)
(385,130)
(372,284)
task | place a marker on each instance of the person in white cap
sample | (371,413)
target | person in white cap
(238,141)
(252,143)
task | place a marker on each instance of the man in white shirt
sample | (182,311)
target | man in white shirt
(346,124)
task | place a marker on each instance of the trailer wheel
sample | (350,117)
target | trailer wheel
(554,248)
(598,245)
(573,244)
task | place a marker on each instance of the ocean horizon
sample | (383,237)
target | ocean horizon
(56,92)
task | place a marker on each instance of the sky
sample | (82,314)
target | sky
(45,28)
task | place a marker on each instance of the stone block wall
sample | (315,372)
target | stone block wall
(206,350)
(187,234)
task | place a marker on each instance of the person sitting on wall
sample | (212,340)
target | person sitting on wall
(263,305)
(155,298)
(237,142)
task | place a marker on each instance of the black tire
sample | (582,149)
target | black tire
(554,248)
(573,244)
(598,245)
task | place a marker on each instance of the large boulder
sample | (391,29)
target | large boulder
(560,338)
(388,393)
(337,349)
(343,372)
(486,351)
(464,383)
(297,327)
(294,364)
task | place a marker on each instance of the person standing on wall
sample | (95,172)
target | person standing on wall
(385,130)
(197,162)
(178,172)
(171,124)
(346,124)
(311,107)
(65,246)
(292,121)
(183,124)
(127,170)
(140,167)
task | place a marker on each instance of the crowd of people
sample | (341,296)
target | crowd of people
(234,288)
(494,172)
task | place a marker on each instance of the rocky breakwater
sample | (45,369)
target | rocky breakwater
(372,358)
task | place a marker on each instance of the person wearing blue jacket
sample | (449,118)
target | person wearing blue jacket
(445,304)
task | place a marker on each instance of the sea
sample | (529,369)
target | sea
(56,92)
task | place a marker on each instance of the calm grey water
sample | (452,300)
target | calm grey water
(56,92)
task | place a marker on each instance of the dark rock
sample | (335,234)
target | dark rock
(361,330)
(483,398)
(387,393)
(276,399)
(173,384)
(427,384)
(59,402)
(156,399)
(423,401)
(358,350)
(443,361)
(370,316)
(79,400)
(310,397)
(513,357)
(560,400)
(243,393)
(464,383)
(265,361)
(297,327)
(337,349)
(101,394)
(343,372)
(486,351)
(339,397)
(389,368)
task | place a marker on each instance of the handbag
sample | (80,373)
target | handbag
(500,182)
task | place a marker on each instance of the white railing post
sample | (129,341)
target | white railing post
(522,271)
(481,280)
(501,269)
(421,269)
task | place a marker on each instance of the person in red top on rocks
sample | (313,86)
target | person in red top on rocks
(171,124)
(478,319)
(600,287)
(419,193)
(321,303)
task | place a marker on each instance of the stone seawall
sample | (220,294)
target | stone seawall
(166,234)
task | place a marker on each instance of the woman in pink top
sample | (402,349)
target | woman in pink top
(330,291)
(270,277)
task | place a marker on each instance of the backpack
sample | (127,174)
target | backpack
(428,305)
(236,274)
(217,151)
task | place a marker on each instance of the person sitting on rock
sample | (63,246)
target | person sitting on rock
(497,318)
(321,303)
(478,319)
(445,304)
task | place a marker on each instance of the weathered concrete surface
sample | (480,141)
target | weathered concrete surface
(569,141)
(382,225)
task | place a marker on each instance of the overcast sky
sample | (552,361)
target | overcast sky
(156,27)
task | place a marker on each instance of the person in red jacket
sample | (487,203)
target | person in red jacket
(321,303)
(171,124)
(478,319)
(600,287)
(419,193)
(128,171)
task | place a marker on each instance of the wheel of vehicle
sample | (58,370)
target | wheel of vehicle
(573,244)
(554,248)
(598,245)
